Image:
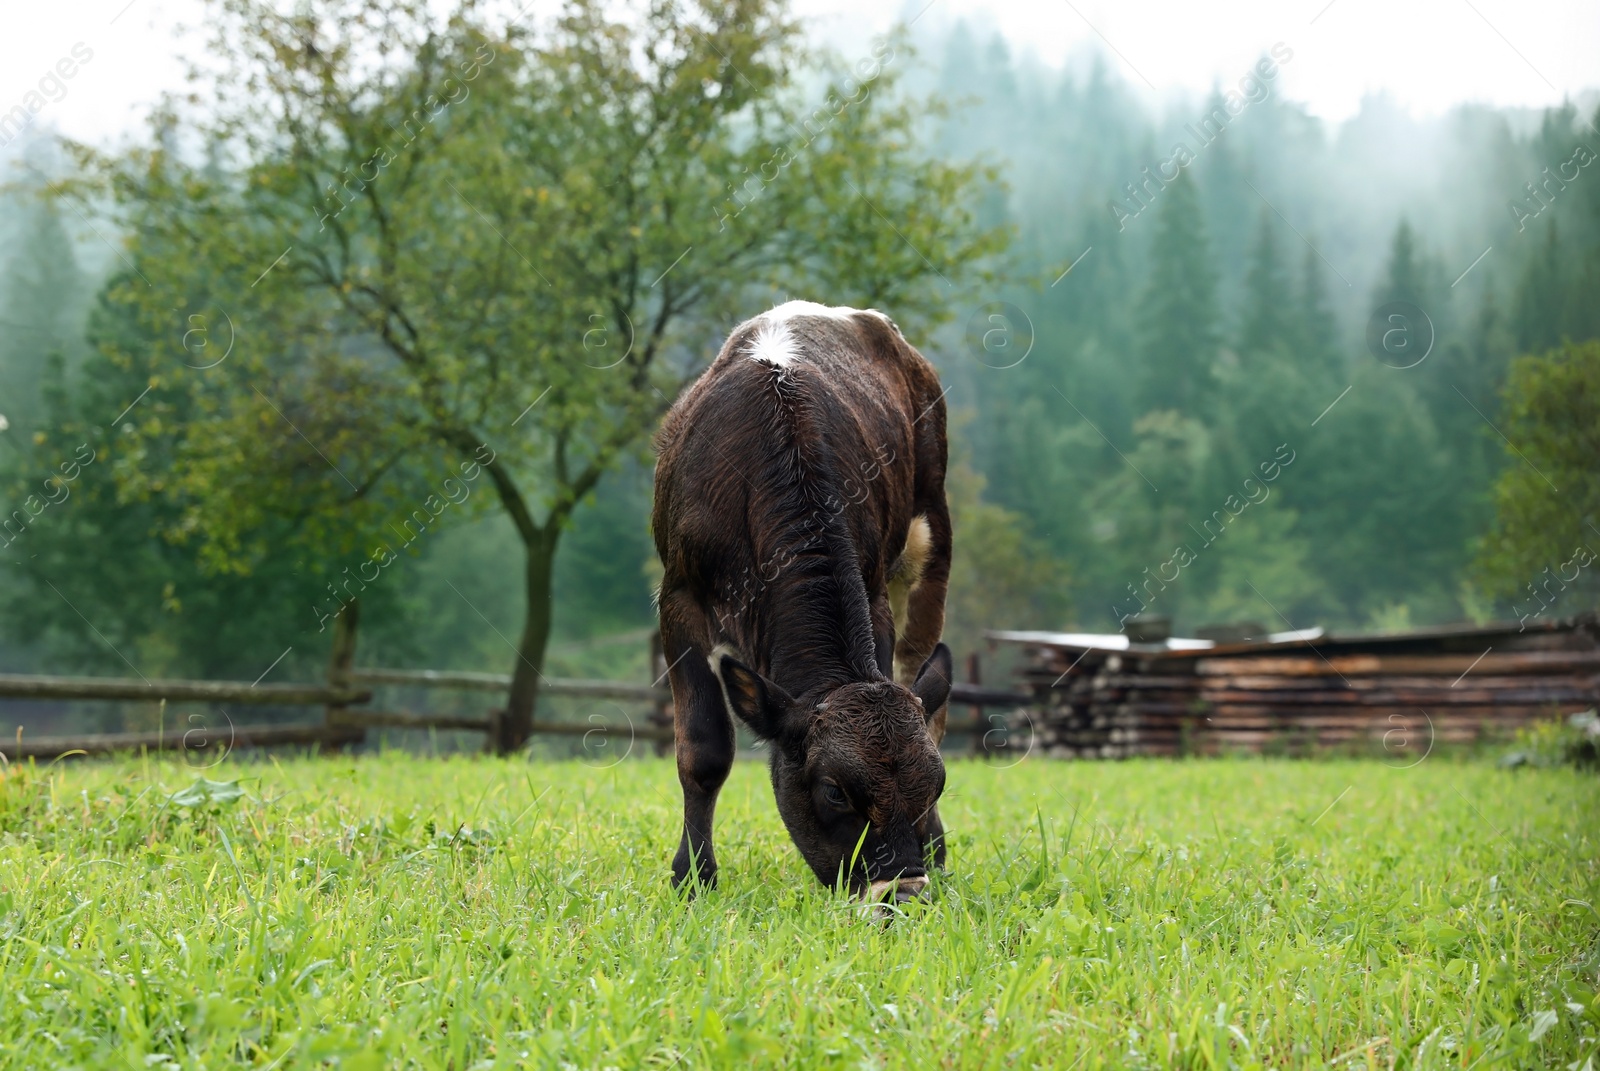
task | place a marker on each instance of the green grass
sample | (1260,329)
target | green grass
(462,913)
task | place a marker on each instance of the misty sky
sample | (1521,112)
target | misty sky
(1427,54)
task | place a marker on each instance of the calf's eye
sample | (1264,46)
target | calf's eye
(834,795)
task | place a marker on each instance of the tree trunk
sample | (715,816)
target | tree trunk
(516,725)
(341,659)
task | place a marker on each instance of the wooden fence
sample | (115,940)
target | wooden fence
(346,717)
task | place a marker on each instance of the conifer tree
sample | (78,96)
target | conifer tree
(1180,307)
(42,310)
(1268,323)
(1318,328)
(1540,317)
(1408,275)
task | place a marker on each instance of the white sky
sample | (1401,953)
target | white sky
(1427,54)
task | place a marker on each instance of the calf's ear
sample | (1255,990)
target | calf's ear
(759,703)
(932,686)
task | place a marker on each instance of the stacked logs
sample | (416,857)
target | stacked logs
(1401,693)
(1318,702)
(1099,704)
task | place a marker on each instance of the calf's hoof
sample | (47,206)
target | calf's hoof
(690,880)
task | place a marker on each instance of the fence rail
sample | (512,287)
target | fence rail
(499,682)
(230,737)
(13,686)
(348,690)
(960,692)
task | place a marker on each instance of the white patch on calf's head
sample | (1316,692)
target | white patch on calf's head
(790,309)
(773,344)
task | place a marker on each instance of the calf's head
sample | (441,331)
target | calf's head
(856,774)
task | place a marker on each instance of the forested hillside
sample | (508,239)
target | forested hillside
(1168,397)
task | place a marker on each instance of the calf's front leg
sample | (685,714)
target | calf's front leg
(704,741)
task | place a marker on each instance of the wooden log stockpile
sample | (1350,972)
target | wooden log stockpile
(1398,693)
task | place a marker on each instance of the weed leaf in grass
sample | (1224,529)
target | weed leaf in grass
(206,791)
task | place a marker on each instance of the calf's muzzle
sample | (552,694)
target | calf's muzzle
(902,890)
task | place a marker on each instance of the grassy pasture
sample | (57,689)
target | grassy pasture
(395,911)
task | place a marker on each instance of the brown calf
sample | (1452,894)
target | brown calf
(801,519)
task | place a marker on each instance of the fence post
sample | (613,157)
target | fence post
(980,728)
(341,660)
(661,712)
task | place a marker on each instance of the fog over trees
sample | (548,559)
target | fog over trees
(1174,387)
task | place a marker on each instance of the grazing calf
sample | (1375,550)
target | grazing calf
(801,520)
